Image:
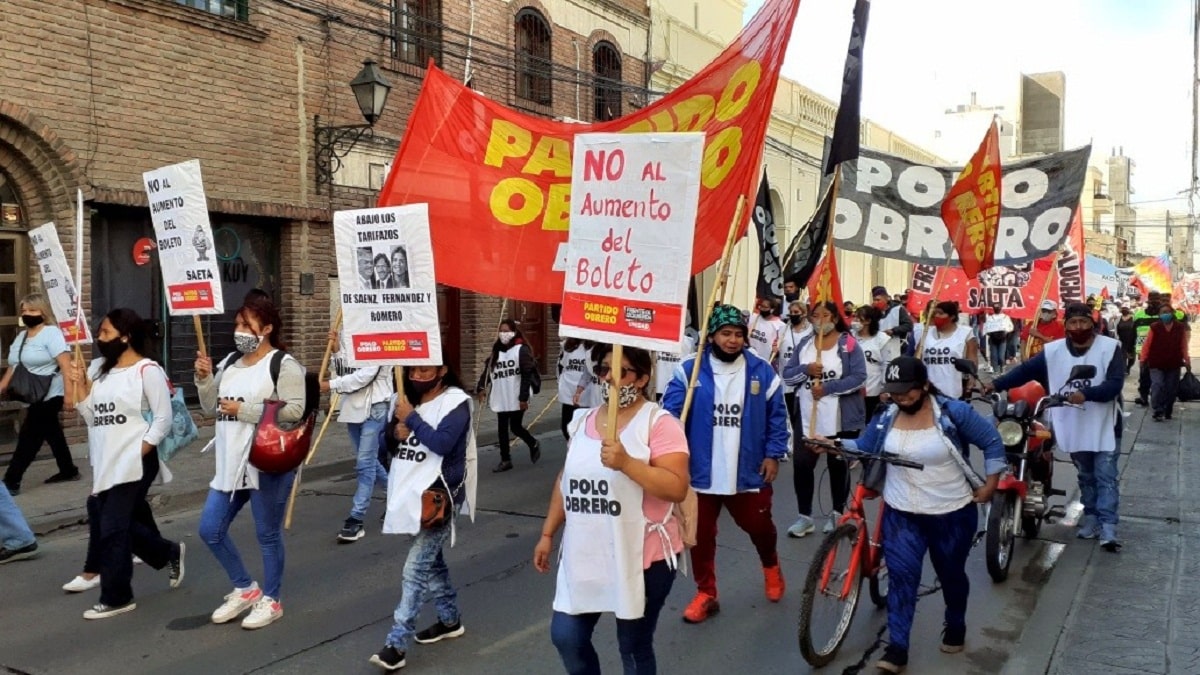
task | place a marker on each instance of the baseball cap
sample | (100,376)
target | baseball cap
(1049,306)
(904,374)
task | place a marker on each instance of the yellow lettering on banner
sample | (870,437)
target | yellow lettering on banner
(739,91)
(502,201)
(720,156)
(693,113)
(551,154)
(558,208)
(507,140)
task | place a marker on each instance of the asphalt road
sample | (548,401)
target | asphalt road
(338,600)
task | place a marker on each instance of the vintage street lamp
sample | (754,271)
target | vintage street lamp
(335,142)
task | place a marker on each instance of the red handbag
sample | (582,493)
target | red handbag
(279,447)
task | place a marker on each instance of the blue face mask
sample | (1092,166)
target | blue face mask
(1166,318)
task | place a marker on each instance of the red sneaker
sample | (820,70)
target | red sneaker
(773,580)
(701,607)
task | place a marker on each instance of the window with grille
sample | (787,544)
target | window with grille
(606,66)
(417,31)
(533,57)
(230,9)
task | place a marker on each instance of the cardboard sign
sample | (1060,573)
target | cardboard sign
(387,286)
(184,239)
(629,255)
(60,289)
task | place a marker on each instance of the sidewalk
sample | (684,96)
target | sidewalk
(1137,611)
(54,507)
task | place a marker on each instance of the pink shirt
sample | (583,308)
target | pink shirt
(666,437)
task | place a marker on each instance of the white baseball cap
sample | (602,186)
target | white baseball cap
(1049,306)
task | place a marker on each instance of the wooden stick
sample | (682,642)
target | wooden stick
(79,363)
(614,389)
(938,280)
(818,336)
(329,345)
(1038,308)
(487,386)
(537,419)
(333,403)
(718,293)
(287,518)
(200,346)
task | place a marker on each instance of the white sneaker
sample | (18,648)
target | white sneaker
(266,612)
(79,584)
(831,524)
(803,526)
(240,600)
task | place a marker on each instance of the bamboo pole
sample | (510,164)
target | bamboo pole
(203,348)
(1038,308)
(614,388)
(333,401)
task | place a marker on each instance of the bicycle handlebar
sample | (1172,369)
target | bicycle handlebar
(889,457)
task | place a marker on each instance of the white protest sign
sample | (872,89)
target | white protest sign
(60,289)
(387,285)
(633,221)
(184,239)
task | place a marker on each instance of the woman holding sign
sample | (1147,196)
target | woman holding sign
(234,393)
(511,372)
(621,540)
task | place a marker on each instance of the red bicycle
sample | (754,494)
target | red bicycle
(847,554)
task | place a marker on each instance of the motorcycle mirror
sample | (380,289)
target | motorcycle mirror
(1082,372)
(966,367)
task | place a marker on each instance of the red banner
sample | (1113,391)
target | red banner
(971,209)
(825,285)
(498,182)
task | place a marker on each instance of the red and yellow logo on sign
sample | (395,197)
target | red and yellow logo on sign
(386,346)
(191,296)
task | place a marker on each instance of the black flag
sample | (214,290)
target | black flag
(809,243)
(770,269)
(846,126)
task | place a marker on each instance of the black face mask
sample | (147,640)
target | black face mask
(765,313)
(111,350)
(795,319)
(426,386)
(31,320)
(722,355)
(912,408)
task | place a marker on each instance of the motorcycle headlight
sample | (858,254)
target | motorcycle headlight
(1011,432)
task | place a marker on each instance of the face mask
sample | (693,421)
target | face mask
(30,320)
(627,394)
(111,350)
(791,297)
(1047,316)
(725,356)
(765,313)
(1165,318)
(856,326)
(912,408)
(825,328)
(881,304)
(1081,336)
(246,343)
(506,337)
(795,319)
(941,321)
(423,387)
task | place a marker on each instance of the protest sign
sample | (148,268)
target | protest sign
(629,255)
(387,286)
(184,239)
(59,288)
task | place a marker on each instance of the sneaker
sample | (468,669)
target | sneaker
(1140,401)
(440,631)
(503,466)
(701,607)
(138,561)
(954,639)
(266,612)
(1088,528)
(63,477)
(240,600)
(80,584)
(803,526)
(831,523)
(176,567)
(14,489)
(351,531)
(1108,538)
(388,658)
(8,555)
(987,369)
(103,611)
(1158,417)
(894,660)
(535,452)
(773,583)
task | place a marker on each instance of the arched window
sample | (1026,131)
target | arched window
(606,88)
(533,56)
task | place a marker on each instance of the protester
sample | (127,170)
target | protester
(798,329)
(729,468)
(947,342)
(1142,320)
(998,326)
(17,541)
(931,510)
(430,443)
(363,395)
(1047,328)
(877,352)
(1012,348)
(117,389)
(234,393)
(573,374)
(635,541)
(1163,354)
(791,291)
(766,328)
(1127,336)
(507,380)
(1090,433)
(664,369)
(896,322)
(829,371)
(848,308)
(42,350)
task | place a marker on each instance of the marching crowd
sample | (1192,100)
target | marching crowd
(640,494)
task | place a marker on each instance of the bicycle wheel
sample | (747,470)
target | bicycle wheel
(825,616)
(1001,534)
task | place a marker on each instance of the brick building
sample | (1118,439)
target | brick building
(95,92)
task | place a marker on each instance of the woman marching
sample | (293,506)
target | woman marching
(947,342)
(798,329)
(622,557)
(877,351)
(574,376)
(234,393)
(118,388)
(433,448)
(511,371)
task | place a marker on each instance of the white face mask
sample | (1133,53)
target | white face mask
(506,336)
(855,326)
(246,343)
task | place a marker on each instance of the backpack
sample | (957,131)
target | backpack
(183,427)
(312,386)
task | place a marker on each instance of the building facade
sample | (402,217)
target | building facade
(1043,113)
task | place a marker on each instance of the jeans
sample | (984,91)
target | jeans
(41,425)
(572,633)
(997,350)
(268,504)
(14,531)
(507,421)
(804,476)
(146,541)
(365,438)
(114,530)
(907,536)
(425,576)
(1164,387)
(752,512)
(1098,491)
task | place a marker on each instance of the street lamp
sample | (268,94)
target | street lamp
(335,142)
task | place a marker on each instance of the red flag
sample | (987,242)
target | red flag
(971,209)
(1105,294)
(825,286)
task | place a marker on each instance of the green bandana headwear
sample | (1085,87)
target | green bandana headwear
(725,315)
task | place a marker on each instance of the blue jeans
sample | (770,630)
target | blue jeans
(572,633)
(997,351)
(1098,491)
(268,504)
(365,437)
(14,531)
(425,576)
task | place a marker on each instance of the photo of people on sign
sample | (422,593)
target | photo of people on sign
(388,291)
(183,235)
(56,280)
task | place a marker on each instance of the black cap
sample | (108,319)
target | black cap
(1076,309)
(904,374)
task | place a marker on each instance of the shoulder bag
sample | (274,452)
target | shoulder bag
(26,387)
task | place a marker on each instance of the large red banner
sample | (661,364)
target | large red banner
(498,182)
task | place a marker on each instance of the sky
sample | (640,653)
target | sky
(1128,66)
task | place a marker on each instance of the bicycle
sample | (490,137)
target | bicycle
(840,581)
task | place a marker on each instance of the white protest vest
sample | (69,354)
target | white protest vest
(605,532)
(828,421)
(415,468)
(764,336)
(506,381)
(576,370)
(788,341)
(664,370)
(1091,429)
(939,355)
(117,427)
(875,353)
(248,385)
